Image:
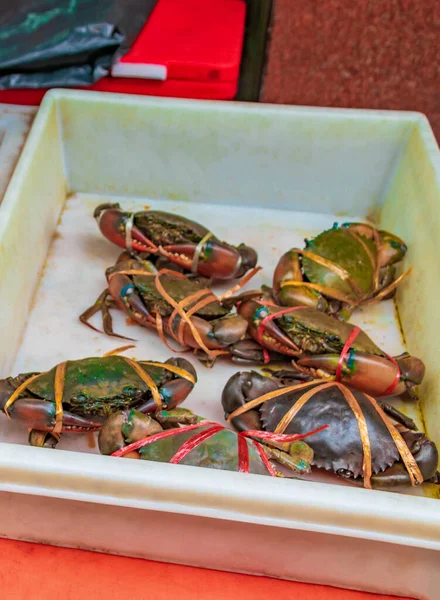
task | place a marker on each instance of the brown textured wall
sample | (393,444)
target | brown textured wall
(356,53)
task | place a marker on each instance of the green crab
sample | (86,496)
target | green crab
(181,437)
(340,269)
(77,395)
(329,348)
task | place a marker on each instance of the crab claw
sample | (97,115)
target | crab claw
(112,222)
(174,392)
(219,333)
(287,272)
(216,260)
(123,428)
(249,351)
(126,297)
(391,249)
(271,337)
(371,374)
(426,454)
(412,369)
(35,413)
(241,388)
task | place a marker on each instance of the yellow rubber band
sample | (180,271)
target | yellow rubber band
(269,396)
(18,391)
(146,379)
(367,465)
(198,251)
(60,377)
(408,459)
(173,369)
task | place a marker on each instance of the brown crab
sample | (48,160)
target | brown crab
(173,304)
(183,242)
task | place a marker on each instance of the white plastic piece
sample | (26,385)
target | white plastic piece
(140,71)
(248,172)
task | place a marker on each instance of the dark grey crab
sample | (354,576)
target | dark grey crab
(400,455)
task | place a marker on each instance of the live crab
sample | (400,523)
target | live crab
(180,240)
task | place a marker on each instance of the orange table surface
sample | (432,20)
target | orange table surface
(41,572)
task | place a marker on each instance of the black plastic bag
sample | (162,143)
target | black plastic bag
(69,43)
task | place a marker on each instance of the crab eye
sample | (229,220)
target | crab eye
(260,312)
(127,290)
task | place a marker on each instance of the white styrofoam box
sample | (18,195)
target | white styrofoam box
(264,175)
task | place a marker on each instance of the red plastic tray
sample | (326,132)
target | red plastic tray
(197,42)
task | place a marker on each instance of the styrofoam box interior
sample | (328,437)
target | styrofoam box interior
(264,175)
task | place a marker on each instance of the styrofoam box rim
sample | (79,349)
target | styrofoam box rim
(218,494)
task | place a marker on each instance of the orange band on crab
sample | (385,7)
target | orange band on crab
(236,288)
(408,459)
(389,288)
(118,350)
(334,268)
(172,368)
(182,314)
(21,388)
(146,379)
(367,465)
(270,396)
(294,410)
(60,378)
(322,289)
(374,262)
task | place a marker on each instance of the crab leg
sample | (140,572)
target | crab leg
(398,416)
(296,463)
(103,304)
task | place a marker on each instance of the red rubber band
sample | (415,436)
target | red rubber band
(160,436)
(266,355)
(345,350)
(264,458)
(243,454)
(351,338)
(390,389)
(193,442)
(271,317)
(281,437)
